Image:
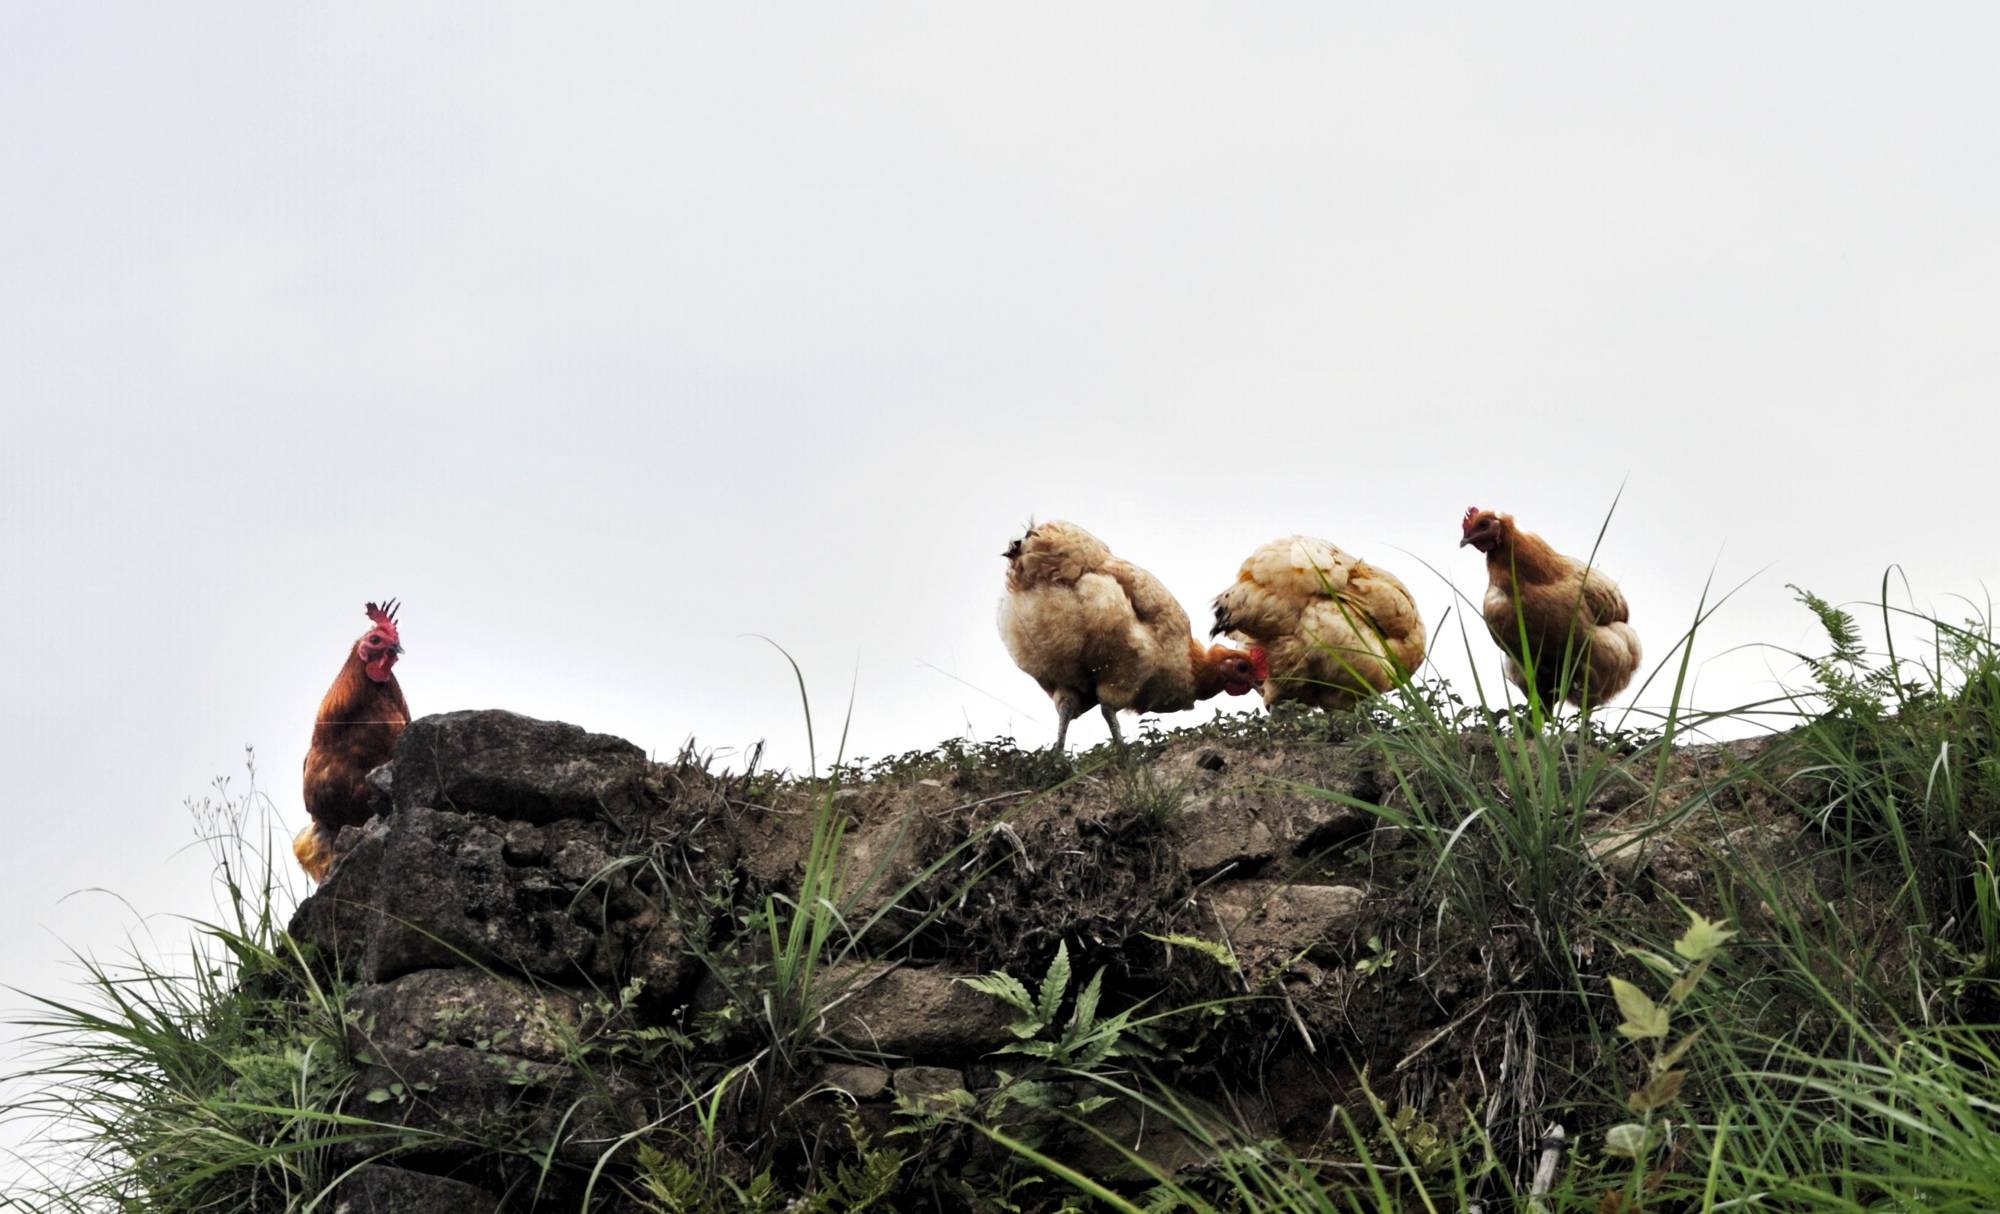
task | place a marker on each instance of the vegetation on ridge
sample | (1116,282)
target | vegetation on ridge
(1753,975)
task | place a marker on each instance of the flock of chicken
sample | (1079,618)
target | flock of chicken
(1308,622)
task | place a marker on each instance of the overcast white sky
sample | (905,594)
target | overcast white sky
(605,337)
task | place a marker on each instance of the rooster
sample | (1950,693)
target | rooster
(359,721)
(1331,629)
(1572,619)
(1096,630)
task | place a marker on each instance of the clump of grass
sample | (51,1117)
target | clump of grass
(204,1087)
(1906,758)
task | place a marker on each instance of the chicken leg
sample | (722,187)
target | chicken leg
(1111,719)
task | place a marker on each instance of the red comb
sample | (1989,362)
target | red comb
(384,617)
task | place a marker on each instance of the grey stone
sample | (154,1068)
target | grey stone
(511,766)
(1260,807)
(476,1057)
(444,895)
(860,1082)
(438,1011)
(912,1012)
(382,1190)
(1271,917)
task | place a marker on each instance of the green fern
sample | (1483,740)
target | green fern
(1839,624)
(857,1185)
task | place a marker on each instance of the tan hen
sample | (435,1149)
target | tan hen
(1332,629)
(1095,630)
(1553,613)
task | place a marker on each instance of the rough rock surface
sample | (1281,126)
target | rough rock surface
(511,766)
(1245,813)
(382,1190)
(539,896)
(912,1013)
(1271,917)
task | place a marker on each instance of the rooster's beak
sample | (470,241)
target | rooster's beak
(1467,540)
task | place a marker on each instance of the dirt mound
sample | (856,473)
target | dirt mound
(554,939)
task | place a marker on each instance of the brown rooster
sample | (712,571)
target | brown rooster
(1094,630)
(1572,618)
(359,721)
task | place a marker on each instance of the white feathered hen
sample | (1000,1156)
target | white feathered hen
(1331,629)
(1096,630)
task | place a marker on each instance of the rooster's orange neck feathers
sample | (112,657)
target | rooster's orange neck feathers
(345,701)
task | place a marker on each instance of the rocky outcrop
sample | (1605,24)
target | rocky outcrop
(516,768)
(548,924)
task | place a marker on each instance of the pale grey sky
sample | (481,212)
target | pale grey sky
(604,337)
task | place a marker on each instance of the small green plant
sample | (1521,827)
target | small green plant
(669,1184)
(1064,1051)
(1379,958)
(1084,1040)
(857,1184)
(1143,792)
(1648,1021)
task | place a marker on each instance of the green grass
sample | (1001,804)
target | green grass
(207,1087)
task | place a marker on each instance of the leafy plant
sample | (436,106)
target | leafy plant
(1084,1040)
(1645,1020)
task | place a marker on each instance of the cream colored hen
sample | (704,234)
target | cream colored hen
(1096,630)
(1331,629)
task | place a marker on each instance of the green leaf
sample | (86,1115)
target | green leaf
(1703,938)
(1004,987)
(1674,1055)
(1054,984)
(1216,950)
(1630,1140)
(1643,1017)
(1684,985)
(378,1096)
(1086,1007)
(1839,625)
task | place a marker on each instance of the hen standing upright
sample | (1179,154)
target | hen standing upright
(1572,618)
(359,721)
(1096,630)
(1332,629)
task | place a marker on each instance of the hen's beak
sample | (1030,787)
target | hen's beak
(1467,540)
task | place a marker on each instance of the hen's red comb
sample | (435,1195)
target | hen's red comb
(1471,512)
(384,617)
